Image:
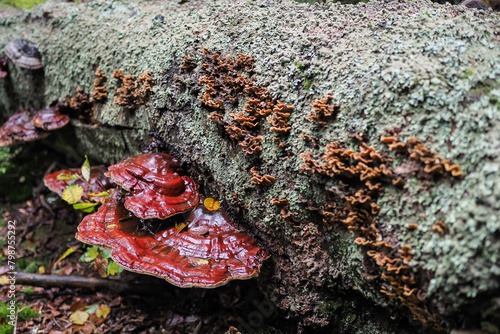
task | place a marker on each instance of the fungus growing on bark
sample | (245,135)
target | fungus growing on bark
(19,129)
(324,109)
(49,119)
(155,190)
(265,180)
(3,67)
(207,251)
(433,163)
(225,81)
(366,172)
(100,93)
(23,53)
(97,183)
(129,95)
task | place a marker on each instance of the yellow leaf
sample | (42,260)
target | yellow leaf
(197,261)
(179,227)
(79,317)
(211,204)
(41,270)
(66,253)
(72,194)
(86,169)
(64,177)
(102,311)
(4,279)
(101,194)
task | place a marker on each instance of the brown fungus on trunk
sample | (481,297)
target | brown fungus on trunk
(19,129)
(24,54)
(155,190)
(98,182)
(206,251)
(49,119)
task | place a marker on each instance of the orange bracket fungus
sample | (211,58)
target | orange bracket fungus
(206,251)
(324,109)
(129,95)
(154,188)
(100,93)
(97,183)
(19,129)
(23,53)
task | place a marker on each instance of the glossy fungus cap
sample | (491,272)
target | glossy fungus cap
(58,181)
(18,129)
(208,251)
(49,119)
(155,190)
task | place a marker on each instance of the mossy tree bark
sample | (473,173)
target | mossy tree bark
(414,68)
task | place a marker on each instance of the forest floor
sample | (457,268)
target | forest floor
(45,244)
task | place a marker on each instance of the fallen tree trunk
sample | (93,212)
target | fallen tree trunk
(362,217)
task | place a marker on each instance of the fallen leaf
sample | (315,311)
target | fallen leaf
(72,194)
(101,265)
(103,311)
(79,317)
(66,254)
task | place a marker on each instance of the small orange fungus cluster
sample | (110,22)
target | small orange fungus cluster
(265,180)
(367,172)
(440,228)
(100,93)
(434,164)
(225,85)
(130,94)
(324,110)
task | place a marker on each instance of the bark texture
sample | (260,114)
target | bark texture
(414,68)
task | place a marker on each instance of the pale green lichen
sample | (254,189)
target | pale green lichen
(432,70)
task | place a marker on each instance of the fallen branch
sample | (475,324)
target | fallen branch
(88,283)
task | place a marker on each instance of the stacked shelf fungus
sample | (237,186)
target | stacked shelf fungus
(434,164)
(131,94)
(363,176)
(146,235)
(324,110)
(29,125)
(154,189)
(226,81)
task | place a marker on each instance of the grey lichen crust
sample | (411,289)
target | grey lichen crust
(431,70)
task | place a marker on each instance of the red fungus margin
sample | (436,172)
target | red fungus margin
(208,252)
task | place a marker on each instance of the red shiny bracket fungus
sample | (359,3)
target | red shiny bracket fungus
(207,251)
(49,119)
(155,190)
(19,129)
(58,182)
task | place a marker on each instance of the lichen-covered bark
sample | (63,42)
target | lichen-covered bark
(417,68)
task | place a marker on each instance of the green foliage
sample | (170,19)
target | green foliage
(25,314)
(27,4)
(93,252)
